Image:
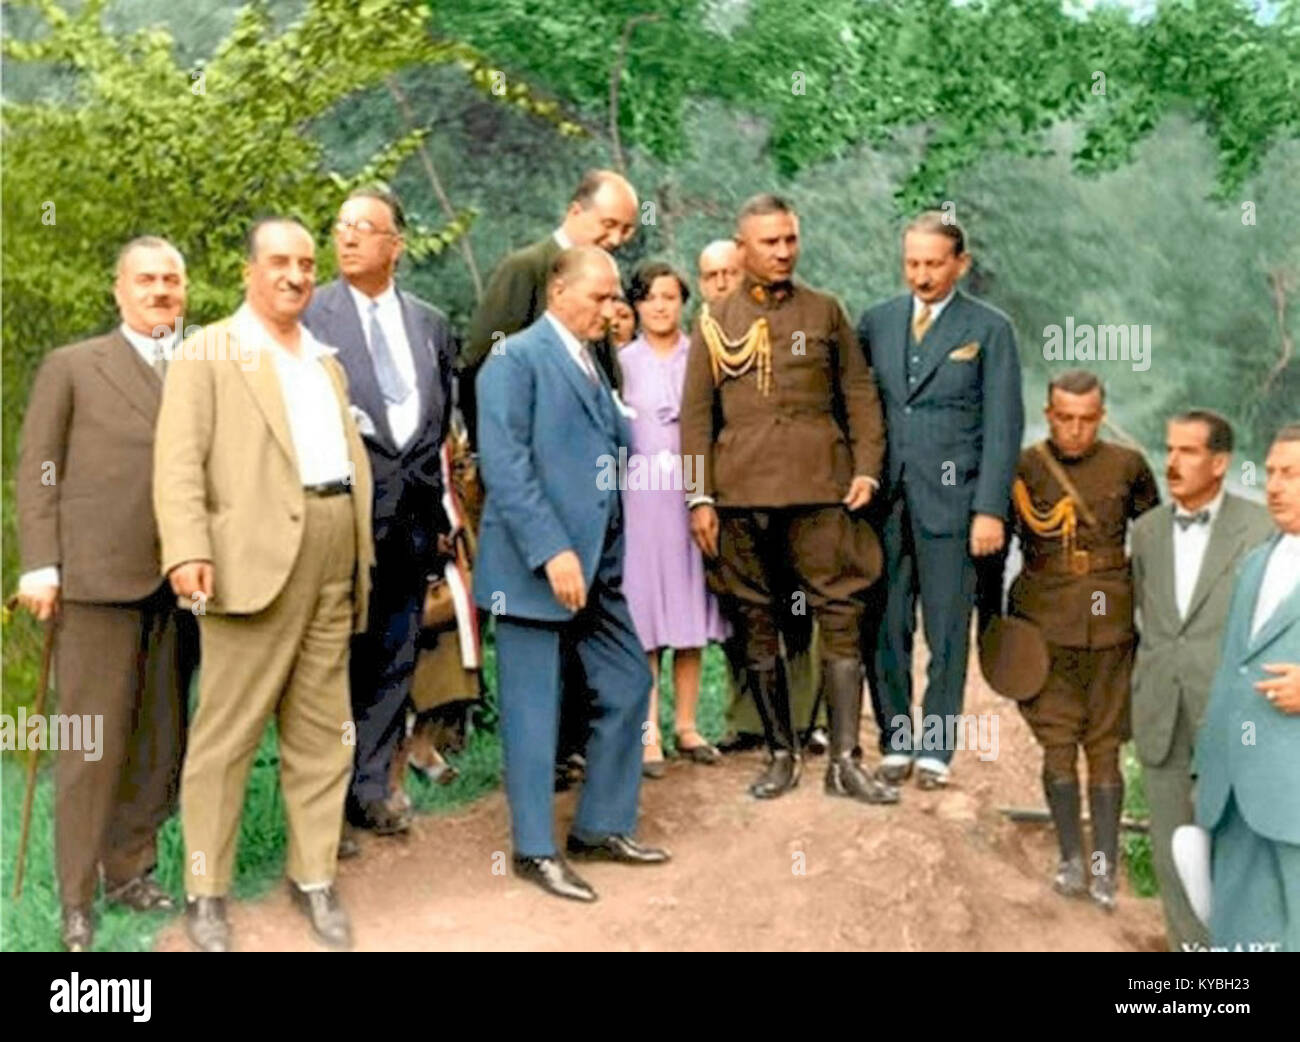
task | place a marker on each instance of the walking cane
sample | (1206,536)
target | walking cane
(33,755)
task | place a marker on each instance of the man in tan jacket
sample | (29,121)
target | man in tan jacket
(263,495)
(124,652)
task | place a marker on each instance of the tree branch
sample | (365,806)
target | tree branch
(1279,283)
(615,75)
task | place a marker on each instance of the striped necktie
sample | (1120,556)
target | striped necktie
(921,323)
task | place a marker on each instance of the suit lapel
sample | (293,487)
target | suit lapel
(1286,613)
(1163,572)
(946,333)
(121,365)
(355,358)
(1225,542)
(422,355)
(577,379)
(265,385)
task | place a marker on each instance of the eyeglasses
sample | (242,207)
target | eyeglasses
(361,227)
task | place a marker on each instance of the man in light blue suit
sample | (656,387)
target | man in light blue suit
(550,569)
(1248,753)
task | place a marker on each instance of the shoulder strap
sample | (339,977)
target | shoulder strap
(1063,479)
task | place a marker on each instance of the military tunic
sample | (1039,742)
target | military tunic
(776,452)
(1081,598)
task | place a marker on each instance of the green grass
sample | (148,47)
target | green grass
(1137,847)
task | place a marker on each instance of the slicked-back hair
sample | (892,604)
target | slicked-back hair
(644,277)
(1220,437)
(569,262)
(763,204)
(250,240)
(145,242)
(1288,432)
(386,196)
(936,222)
(1076,381)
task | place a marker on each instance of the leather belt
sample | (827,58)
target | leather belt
(329,488)
(1081,562)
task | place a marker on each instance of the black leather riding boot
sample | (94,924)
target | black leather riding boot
(842,678)
(1105,803)
(772,700)
(1063,801)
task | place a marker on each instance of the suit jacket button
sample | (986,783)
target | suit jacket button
(908,410)
(294,515)
(1242,671)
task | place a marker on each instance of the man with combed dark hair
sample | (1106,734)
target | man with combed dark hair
(1183,556)
(1247,762)
(949,378)
(1075,496)
(550,570)
(123,651)
(781,417)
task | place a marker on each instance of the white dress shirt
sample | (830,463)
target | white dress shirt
(1280,576)
(936,309)
(403,416)
(561,238)
(310,402)
(580,355)
(148,348)
(1189,551)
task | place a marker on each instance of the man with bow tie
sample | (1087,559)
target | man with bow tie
(1074,498)
(949,378)
(1247,760)
(1184,555)
(398,354)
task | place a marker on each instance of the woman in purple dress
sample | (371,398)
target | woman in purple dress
(663,574)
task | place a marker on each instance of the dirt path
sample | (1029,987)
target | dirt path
(939,871)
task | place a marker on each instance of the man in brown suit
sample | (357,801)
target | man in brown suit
(1074,497)
(89,547)
(782,428)
(263,494)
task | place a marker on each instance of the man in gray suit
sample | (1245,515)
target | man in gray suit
(1183,557)
(949,378)
(1247,761)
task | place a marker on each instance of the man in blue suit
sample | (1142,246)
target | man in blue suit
(550,569)
(1247,762)
(949,378)
(398,353)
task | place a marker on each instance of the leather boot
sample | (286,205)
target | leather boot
(1063,800)
(842,678)
(772,699)
(1105,803)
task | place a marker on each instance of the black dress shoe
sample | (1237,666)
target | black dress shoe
(141,894)
(381,819)
(554,876)
(779,777)
(205,922)
(623,849)
(846,778)
(321,907)
(78,928)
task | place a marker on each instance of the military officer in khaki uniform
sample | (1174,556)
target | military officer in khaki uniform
(1074,498)
(783,429)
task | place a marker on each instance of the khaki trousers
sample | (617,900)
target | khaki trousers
(288,662)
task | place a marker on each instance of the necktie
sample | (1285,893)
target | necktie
(159,362)
(921,323)
(1185,521)
(588,366)
(391,383)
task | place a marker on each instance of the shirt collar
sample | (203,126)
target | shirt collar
(1212,507)
(386,298)
(570,341)
(767,294)
(563,239)
(936,308)
(150,345)
(250,329)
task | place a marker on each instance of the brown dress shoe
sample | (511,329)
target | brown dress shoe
(321,907)
(206,925)
(78,928)
(141,894)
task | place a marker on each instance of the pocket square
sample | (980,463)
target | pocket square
(966,352)
(365,425)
